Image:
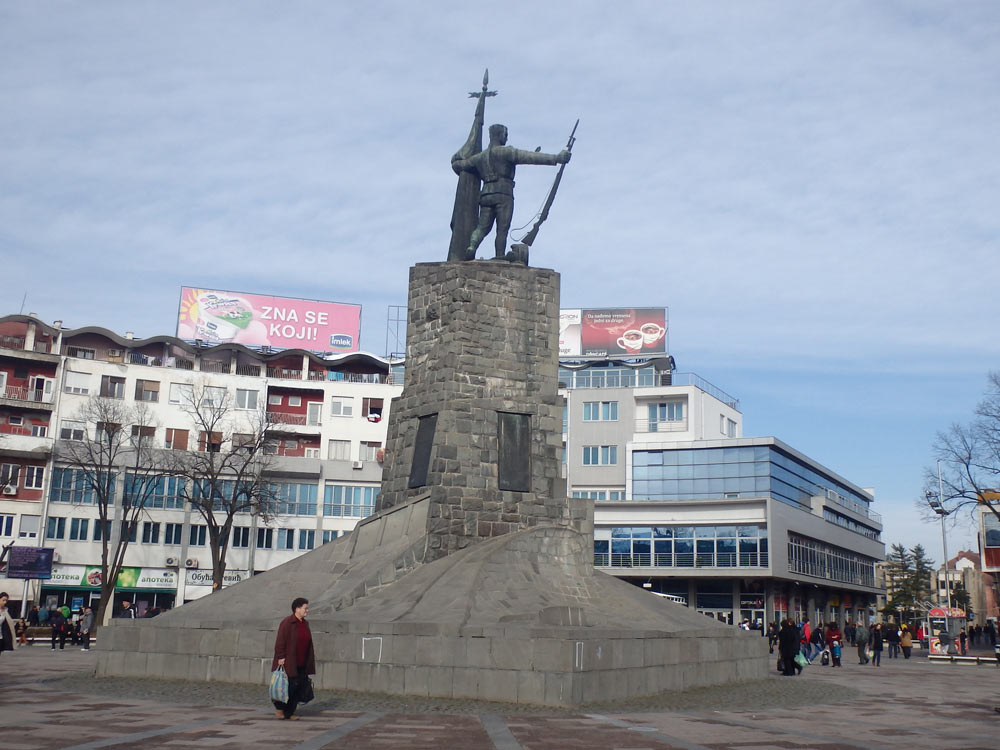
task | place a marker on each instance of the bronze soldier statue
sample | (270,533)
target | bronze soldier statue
(495,166)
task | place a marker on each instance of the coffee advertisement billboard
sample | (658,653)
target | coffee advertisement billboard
(621,331)
(217,316)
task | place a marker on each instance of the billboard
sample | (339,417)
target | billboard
(622,331)
(219,317)
(990,526)
(30,562)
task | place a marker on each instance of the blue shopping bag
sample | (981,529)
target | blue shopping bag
(279,685)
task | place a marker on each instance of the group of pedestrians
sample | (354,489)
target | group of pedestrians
(800,644)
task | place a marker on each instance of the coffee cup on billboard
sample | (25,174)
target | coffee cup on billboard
(631,340)
(651,333)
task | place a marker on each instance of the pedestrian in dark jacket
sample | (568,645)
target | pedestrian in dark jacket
(789,645)
(877,643)
(293,650)
(59,628)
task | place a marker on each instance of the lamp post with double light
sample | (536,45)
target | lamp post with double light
(935,501)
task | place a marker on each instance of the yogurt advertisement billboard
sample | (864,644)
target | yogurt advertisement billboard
(621,331)
(219,317)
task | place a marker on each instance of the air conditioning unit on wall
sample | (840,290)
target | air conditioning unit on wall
(190,563)
(173,562)
(358,464)
(10,490)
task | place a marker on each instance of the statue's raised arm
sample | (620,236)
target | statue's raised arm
(495,166)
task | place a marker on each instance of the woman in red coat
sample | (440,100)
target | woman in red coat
(293,650)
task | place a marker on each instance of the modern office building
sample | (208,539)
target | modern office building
(739,528)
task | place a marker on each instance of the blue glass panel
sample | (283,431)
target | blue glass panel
(683,545)
(641,546)
(621,546)
(725,531)
(642,532)
(663,532)
(601,545)
(748,532)
(621,532)
(704,532)
(663,546)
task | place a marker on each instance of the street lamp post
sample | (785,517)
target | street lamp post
(936,501)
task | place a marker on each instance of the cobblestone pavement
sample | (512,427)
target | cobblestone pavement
(49,700)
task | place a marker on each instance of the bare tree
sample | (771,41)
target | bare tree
(117,439)
(970,459)
(226,475)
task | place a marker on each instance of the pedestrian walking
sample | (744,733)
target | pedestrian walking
(877,643)
(7,628)
(963,639)
(835,653)
(861,639)
(86,626)
(293,650)
(892,637)
(772,636)
(906,642)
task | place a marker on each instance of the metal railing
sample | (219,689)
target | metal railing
(281,372)
(12,342)
(30,395)
(661,425)
(215,366)
(281,417)
(596,378)
(249,370)
(680,560)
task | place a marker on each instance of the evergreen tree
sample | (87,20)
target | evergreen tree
(923,572)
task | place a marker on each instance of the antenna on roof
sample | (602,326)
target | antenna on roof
(23,300)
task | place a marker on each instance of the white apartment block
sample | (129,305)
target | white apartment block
(328,423)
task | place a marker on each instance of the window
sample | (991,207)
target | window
(600,411)
(39,430)
(150,532)
(142,437)
(668,411)
(197,536)
(730,428)
(286,539)
(349,501)
(274,399)
(314,413)
(265,538)
(311,452)
(341,406)
(98,536)
(369,451)
(80,352)
(56,528)
(307,538)
(112,386)
(246,399)
(213,396)
(210,443)
(75,485)
(28,527)
(295,400)
(176,440)
(329,536)
(78,528)
(600,455)
(181,393)
(77,382)
(241,537)
(8,475)
(129,530)
(72,430)
(7,525)
(294,499)
(372,409)
(340,450)
(172,533)
(147,390)
(15,419)
(33,477)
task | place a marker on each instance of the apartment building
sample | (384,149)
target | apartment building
(326,428)
(737,527)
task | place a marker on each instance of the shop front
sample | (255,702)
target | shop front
(198,583)
(77,586)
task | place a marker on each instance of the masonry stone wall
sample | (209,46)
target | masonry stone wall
(482,339)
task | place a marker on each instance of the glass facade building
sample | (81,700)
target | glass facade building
(737,471)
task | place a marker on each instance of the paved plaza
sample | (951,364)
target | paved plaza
(49,700)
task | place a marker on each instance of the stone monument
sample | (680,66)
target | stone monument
(474,578)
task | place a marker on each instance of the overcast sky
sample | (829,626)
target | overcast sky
(812,188)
